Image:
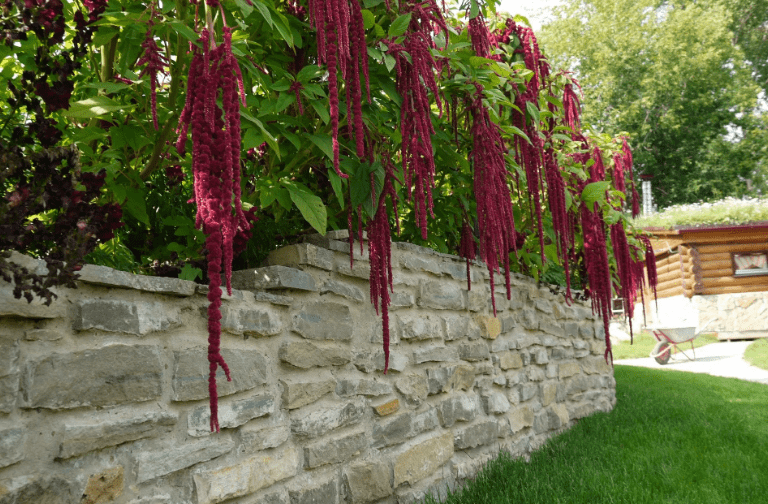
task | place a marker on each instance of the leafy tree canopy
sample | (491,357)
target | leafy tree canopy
(683,78)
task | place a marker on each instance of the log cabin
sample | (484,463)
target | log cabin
(713,277)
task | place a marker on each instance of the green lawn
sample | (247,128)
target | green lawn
(757,353)
(644,342)
(673,437)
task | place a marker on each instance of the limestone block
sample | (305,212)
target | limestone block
(110,428)
(457,408)
(273,277)
(543,305)
(510,360)
(370,387)
(482,433)
(401,299)
(174,457)
(423,459)
(257,438)
(420,263)
(276,299)
(12,443)
(306,389)
(419,327)
(254,322)
(551,370)
(102,275)
(368,482)
(560,353)
(248,369)
(315,420)
(424,421)
(477,301)
(392,431)
(387,408)
(315,491)
(539,355)
(450,378)
(301,254)
(440,295)
(42,335)
(528,318)
(324,321)
(568,369)
(9,375)
(12,307)
(458,327)
(508,322)
(306,355)
(131,317)
(360,268)
(413,387)
(495,403)
(580,410)
(369,362)
(490,327)
(474,352)
(571,329)
(552,327)
(40,489)
(595,365)
(246,475)
(548,393)
(334,450)
(231,414)
(343,289)
(528,391)
(114,374)
(541,421)
(557,415)
(587,331)
(535,374)
(435,354)
(104,487)
(520,418)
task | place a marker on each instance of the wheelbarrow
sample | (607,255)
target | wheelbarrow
(669,338)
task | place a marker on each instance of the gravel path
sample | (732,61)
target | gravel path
(717,359)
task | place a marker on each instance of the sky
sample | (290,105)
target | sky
(532,9)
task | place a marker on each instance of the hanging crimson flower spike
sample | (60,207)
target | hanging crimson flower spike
(415,78)
(155,63)
(380,253)
(214,73)
(628,165)
(467,248)
(496,222)
(571,107)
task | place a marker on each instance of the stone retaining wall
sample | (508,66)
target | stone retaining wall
(103,395)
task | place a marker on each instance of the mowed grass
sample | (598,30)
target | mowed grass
(757,353)
(644,342)
(673,437)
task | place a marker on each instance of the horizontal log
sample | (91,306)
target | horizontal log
(714,256)
(756,246)
(669,277)
(731,289)
(717,273)
(677,282)
(716,264)
(732,236)
(667,293)
(736,281)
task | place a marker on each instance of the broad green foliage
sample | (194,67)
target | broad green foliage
(678,77)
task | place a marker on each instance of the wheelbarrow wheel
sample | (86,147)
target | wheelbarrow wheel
(664,353)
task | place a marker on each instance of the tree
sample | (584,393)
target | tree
(671,75)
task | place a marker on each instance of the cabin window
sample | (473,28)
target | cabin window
(755,263)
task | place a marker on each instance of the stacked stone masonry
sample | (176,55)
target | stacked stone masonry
(104,398)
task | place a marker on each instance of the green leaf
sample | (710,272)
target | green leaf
(474,9)
(91,108)
(177,220)
(371,3)
(271,140)
(390,62)
(109,87)
(283,197)
(103,36)
(136,204)
(252,138)
(264,12)
(554,100)
(594,192)
(321,107)
(311,207)
(336,184)
(379,31)
(283,28)
(176,247)
(399,25)
(128,135)
(368,19)
(184,30)
(244,7)
(309,72)
(284,101)
(533,111)
(324,142)
(560,136)
(188,272)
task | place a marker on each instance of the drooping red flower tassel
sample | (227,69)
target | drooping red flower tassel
(155,63)
(467,248)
